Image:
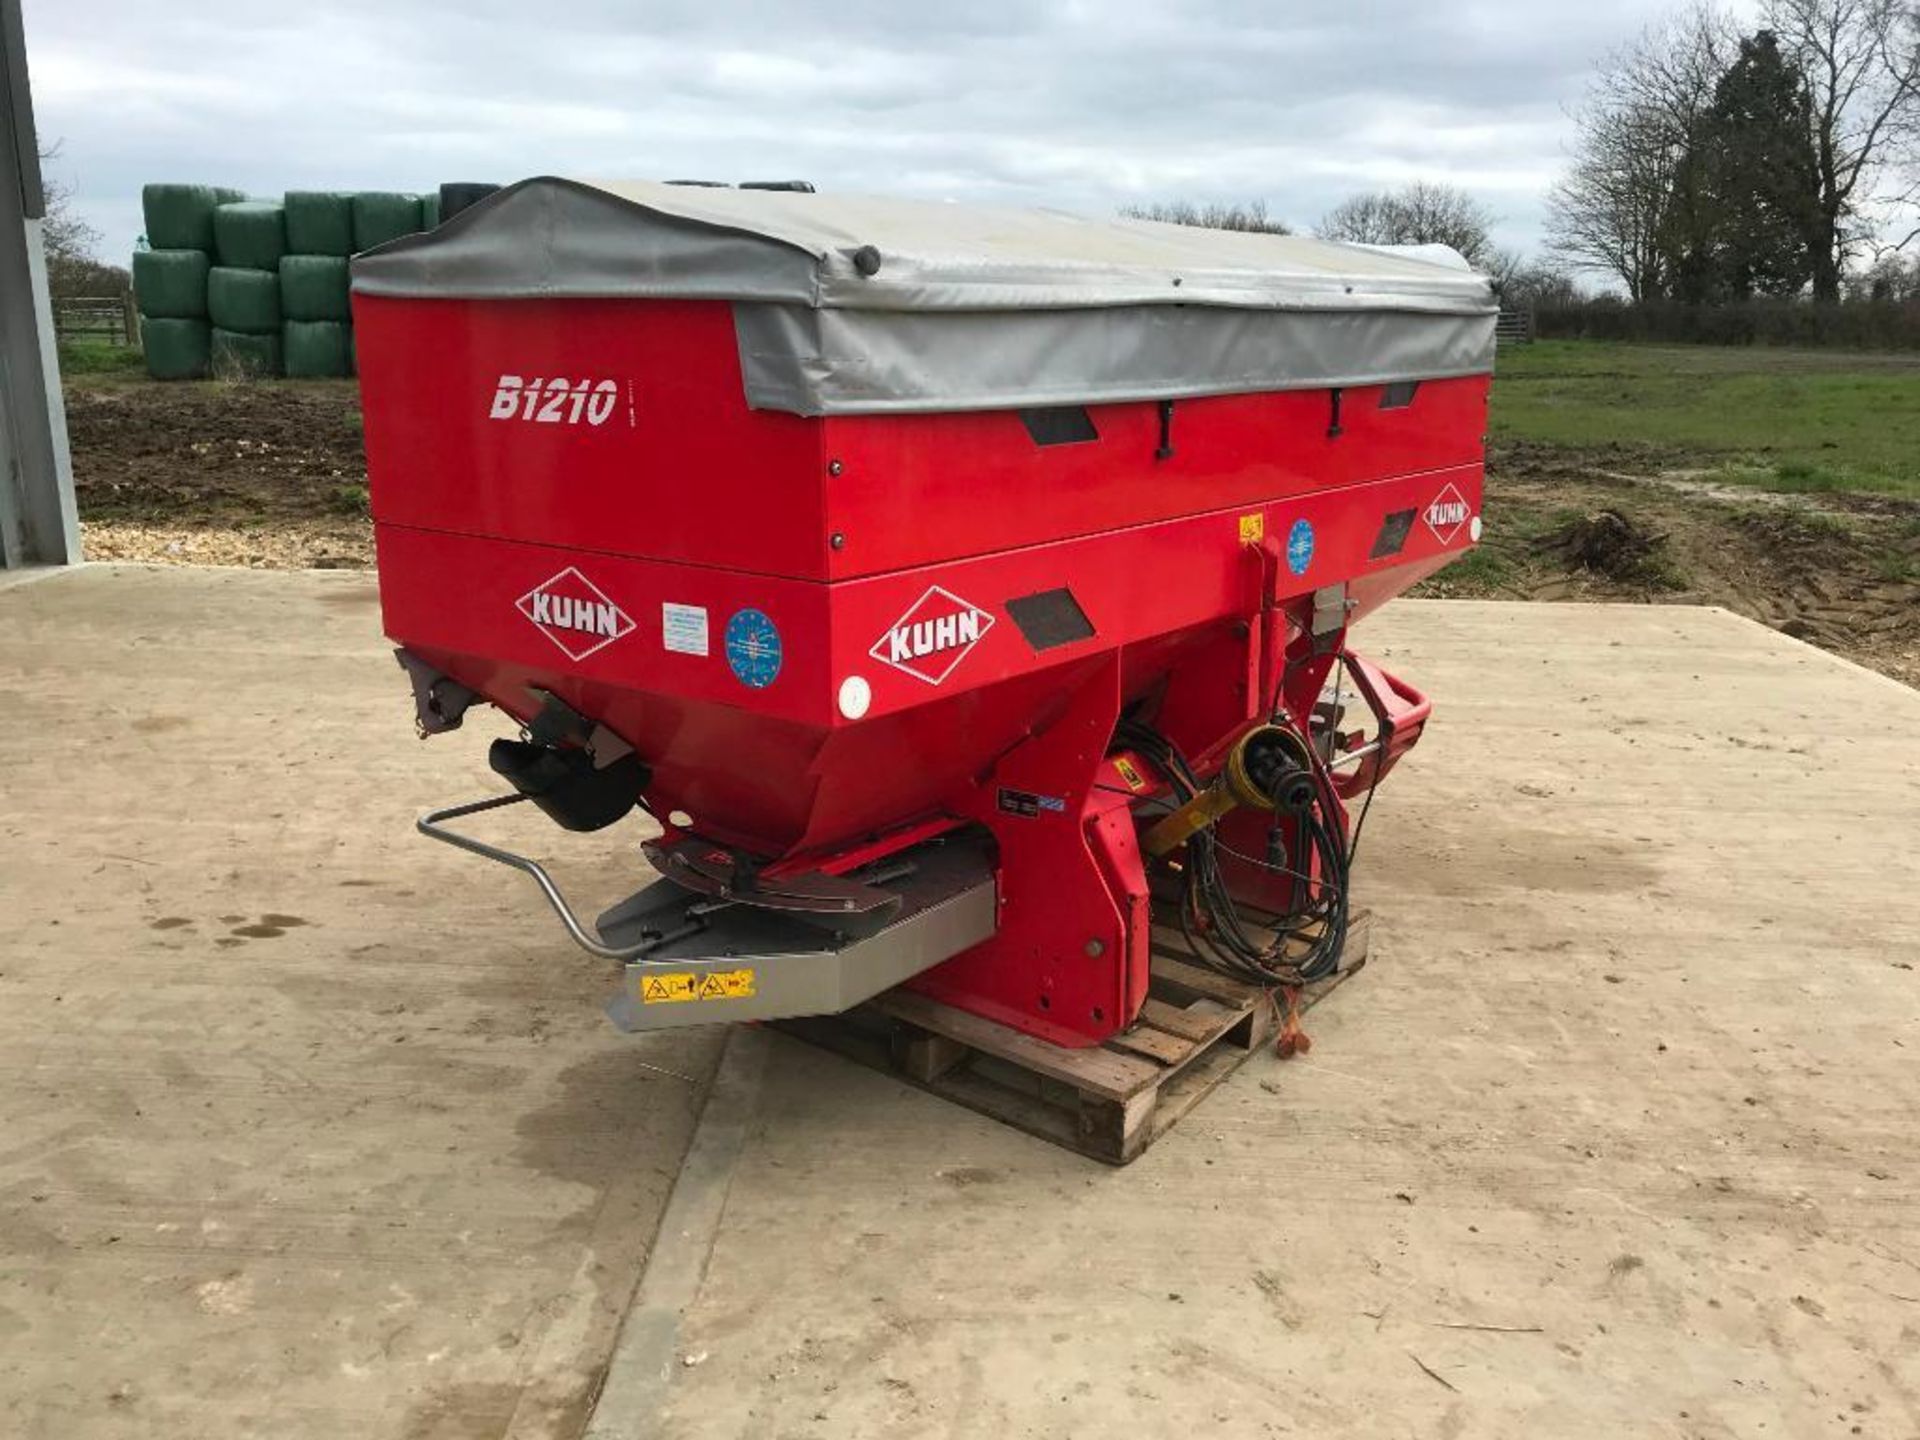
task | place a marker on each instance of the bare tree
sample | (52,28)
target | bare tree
(1541,282)
(1418,214)
(1607,212)
(1861,62)
(1503,267)
(1526,282)
(1892,278)
(1631,201)
(72,246)
(1251,216)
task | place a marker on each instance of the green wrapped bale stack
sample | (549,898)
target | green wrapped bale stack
(319,222)
(314,287)
(318,349)
(171,280)
(242,287)
(238,356)
(171,284)
(180,217)
(247,301)
(380,216)
(458,195)
(250,234)
(176,349)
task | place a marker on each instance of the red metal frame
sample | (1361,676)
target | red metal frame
(1190,569)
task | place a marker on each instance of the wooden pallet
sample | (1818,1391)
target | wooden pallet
(1109,1102)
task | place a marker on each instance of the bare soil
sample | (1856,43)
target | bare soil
(274,476)
(1840,570)
(263,475)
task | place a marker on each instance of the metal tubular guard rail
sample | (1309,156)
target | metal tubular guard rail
(430,825)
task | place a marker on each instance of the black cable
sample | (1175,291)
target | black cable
(1379,758)
(1210,920)
(1353,844)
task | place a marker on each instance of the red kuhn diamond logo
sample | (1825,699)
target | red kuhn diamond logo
(575,614)
(1446,513)
(934,636)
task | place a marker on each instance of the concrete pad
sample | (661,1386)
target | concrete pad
(308,1126)
(1616,1137)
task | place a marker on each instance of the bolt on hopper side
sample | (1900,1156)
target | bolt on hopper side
(955,587)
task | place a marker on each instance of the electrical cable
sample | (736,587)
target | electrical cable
(1211,921)
(1380,754)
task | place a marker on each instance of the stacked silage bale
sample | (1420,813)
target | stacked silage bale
(243,288)
(249,288)
(317,339)
(324,228)
(382,215)
(171,280)
(458,195)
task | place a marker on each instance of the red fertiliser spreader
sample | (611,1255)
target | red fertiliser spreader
(961,593)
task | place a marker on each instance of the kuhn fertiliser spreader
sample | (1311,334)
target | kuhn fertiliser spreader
(963,592)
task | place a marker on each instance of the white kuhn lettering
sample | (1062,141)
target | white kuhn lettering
(590,617)
(936,633)
(929,637)
(575,614)
(1446,513)
(558,401)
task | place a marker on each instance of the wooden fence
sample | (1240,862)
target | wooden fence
(1514,327)
(97,317)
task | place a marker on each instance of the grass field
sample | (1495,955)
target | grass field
(98,358)
(1791,420)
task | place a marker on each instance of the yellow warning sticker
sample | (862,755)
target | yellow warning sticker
(1129,772)
(718,985)
(1253,528)
(666,989)
(727,985)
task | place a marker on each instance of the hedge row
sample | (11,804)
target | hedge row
(1853,325)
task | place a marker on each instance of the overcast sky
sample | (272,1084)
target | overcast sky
(1084,104)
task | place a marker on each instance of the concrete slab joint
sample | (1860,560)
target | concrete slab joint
(643,1361)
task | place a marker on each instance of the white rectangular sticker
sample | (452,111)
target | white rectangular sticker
(683,628)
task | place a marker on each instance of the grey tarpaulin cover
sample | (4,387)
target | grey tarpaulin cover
(970,308)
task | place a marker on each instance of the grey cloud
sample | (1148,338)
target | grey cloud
(1076,103)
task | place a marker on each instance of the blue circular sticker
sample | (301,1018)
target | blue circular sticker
(753,649)
(1300,547)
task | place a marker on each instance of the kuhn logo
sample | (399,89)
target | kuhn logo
(1446,513)
(575,614)
(558,401)
(935,635)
